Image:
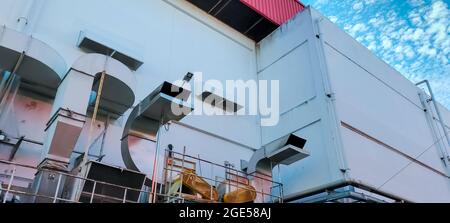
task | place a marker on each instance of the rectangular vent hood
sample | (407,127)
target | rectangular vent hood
(95,44)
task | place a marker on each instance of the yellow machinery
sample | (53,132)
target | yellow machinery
(191,187)
(196,184)
(244,194)
(236,189)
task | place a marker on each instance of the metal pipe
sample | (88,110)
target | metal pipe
(94,118)
(438,112)
(10,79)
(104,135)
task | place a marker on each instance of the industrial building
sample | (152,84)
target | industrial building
(88,90)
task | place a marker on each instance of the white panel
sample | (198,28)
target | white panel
(292,121)
(381,168)
(342,42)
(377,100)
(289,55)
(316,170)
(369,105)
(288,37)
(294,72)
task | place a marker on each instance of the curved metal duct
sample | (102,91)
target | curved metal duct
(156,107)
(72,101)
(286,150)
(40,67)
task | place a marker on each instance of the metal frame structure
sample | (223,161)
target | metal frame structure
(58,198)
(274,195)
(162,195)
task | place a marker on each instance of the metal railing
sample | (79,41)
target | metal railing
(274,192)
(93,196)
(59,195)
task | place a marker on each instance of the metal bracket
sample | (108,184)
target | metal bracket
(25,18)
(16,148)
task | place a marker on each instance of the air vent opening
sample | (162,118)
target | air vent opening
(220,102)
(91,45)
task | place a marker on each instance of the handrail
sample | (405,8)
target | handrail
(93,195)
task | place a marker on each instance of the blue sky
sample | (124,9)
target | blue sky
(410,35)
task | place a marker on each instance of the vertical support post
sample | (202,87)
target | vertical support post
(212,174)
(262,193)
(55,198)
(94,118)
(211,193)
(280,184)
(9,184)
(93,192)
(170,178)
(155,164)
(125,196)
(200,165)
(165,170)
(182,173)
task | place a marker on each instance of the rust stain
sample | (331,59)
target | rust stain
(32,105)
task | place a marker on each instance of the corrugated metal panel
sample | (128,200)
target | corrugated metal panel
(277,11)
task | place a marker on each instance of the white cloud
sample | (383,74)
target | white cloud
(370,37)
(358,6)
(360,27)
(416,2)
(372,46)
(376,21)
(427,51)
(409,52)
(438,10)
(333,19)
(387,43)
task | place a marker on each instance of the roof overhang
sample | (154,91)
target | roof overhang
(254,18)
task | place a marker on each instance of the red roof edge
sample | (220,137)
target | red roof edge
(276,11)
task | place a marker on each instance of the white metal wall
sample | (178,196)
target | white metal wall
(290,56)
(385,107)
(386,123)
